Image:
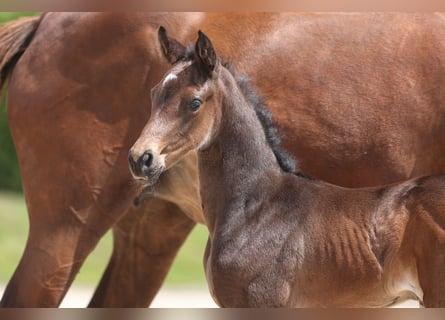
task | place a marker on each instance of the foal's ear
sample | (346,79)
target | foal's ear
(205,52)
(172,49)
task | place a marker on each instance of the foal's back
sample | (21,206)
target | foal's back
(364,247)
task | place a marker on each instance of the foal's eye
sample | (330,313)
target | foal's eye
(195,105)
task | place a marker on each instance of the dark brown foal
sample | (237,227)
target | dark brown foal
(277,237)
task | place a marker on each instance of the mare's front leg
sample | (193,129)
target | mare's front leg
(146,241)
(148,237)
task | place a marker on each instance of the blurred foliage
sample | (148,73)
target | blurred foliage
(9,169)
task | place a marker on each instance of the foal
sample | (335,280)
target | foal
(278,238)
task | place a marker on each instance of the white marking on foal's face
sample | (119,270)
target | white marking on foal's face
(169,77)
(175,71)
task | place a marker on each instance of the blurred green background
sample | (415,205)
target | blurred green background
(186,271)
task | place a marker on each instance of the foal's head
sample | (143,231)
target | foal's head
(184,111)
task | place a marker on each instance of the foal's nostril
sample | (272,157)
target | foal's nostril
(131,162)
(146,161)
(147,158)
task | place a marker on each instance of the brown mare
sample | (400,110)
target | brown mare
(278,238)
(361,93)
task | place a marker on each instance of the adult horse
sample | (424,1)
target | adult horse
(362,93)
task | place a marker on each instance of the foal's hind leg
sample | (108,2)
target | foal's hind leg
(427,231)
(431,269)
(146,241)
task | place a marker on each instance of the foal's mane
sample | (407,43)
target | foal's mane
(286,161)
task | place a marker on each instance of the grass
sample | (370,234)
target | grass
(13,231)
(186,271)
(7,16)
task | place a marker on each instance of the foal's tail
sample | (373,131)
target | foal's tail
(15,37)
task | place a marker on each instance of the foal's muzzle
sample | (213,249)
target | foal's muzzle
(144,168)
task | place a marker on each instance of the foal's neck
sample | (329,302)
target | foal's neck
(239,163)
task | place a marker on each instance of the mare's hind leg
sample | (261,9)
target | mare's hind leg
(146,241)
